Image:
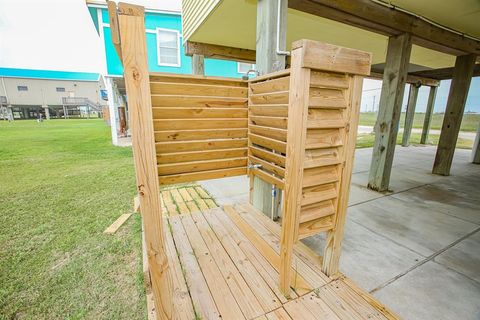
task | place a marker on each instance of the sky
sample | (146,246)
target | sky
(59,35)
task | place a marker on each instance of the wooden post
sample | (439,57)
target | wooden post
(476,148)
(428,114)
(296,135)
(134,55)
(462,76)
(333,247)
(268,60)
(386,127)
(198,64)
(410,114)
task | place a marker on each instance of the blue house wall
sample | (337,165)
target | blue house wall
(154,20)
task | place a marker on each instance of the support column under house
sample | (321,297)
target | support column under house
(462,76)
(428,114)
(410,114)
(386,127)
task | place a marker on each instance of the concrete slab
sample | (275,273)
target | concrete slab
(464,257)
(433,292)
(412,224)
(360,194)
(368,258)
(228,190)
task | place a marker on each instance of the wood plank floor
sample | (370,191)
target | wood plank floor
(227,262)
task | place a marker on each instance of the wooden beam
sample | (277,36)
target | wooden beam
(114,29)
(296,137)
(388,21)
(428,114)
(219,52)
(198,64)
(411,79)
(443,73)
(391,98)
(134,52)
(457,97)
(410,114)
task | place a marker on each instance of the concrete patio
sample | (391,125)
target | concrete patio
(423,235)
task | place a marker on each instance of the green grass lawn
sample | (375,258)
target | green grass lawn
(61,184)
(470,121)
(367,140)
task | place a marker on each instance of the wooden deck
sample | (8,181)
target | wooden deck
(225,264)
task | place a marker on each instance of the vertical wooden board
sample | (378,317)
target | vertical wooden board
(410,114)
(334,237)
(428,114)
(185,195)
(136,74)
(219,289)
(181,297)
(296,136)
(260,288)
(240,290)
(202,299)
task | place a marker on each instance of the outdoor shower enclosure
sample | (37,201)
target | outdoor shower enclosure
(295,129)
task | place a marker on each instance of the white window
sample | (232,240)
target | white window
(243,67)
(168,47)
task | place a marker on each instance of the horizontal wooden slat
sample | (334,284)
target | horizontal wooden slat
(323,138)
(177,157)
(176,101)
(328,80)
(203,175)
(318,193)
(194,79)
(190,113)
(191,89)
(319,176)
(272,110)
(268,166)
(313,227)
(199,145)
(274,133)
(321,157)
(328,119)
(280,97)
(268,156)
(185,135)
(203,165)
(272,85)
(188,124)
(316,211)
(268,143)
(267,177)
(327,98)
(272,75)
(275,122)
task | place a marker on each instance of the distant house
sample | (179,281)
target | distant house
(164,50)
(29,94)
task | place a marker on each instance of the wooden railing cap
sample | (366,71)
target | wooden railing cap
(329,57)
(130,9)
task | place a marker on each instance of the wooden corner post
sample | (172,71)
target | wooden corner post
(131,29)
(296,135)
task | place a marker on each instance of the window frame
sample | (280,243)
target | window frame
(57,89)
(252,67)
(178,48)
(22,90)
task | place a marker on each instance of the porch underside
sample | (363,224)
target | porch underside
(225,264)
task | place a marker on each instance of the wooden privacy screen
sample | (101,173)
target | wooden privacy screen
(200,127)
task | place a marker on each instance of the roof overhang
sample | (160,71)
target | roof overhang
(232,23)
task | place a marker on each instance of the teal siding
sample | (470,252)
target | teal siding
(213,67)
(48,74)
(93,14)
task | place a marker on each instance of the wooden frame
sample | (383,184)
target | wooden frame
(295,129)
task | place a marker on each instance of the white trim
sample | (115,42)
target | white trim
(252,66)
(102,39)
(179,64)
